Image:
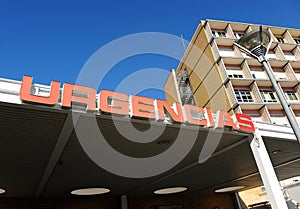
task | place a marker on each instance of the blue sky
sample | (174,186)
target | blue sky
(52,40)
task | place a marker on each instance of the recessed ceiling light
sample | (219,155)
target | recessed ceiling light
(164,142)
(276,151)
(170,190)
(2,191)
(90,191)
(230,189)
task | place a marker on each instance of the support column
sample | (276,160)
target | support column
(267,172)
(238,200)
(124,203)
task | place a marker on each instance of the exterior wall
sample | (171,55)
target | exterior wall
(217,68)
(204,75)
(284,61)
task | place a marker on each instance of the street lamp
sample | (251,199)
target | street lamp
(256,44)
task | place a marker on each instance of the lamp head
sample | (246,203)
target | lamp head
(255,43)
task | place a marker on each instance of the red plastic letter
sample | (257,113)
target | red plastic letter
(211,122)
(25,95)
(118,102)
(163,105)
(142,107)
(188,113)
(79,94)
(245,122)
(224,119)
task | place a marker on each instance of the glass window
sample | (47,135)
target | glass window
(219,33)
(289,55)
(239,35)
(258,72)
(254,114)
(226,51)
(243,95)
(268,96)
(280,39)
(278,117)
(234,72)
(297,114)
(291,95)
(279,73)
(235,76)
(297,73)
(297,41)
(271,55)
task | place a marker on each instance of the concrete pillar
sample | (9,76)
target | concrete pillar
(267,172)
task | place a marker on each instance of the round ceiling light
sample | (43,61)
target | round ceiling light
(90,191)
(2,191)
(230,189)
(170,190)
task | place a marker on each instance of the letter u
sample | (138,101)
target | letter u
(25,95)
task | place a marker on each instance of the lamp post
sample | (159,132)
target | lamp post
(256,44)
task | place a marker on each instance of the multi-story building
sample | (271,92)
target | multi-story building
(214,73)
(51,136)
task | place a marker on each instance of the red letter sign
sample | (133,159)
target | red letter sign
(114,102)
(142,107)
(198,110)
(79,94)
(245,122)
(26,96)
(224,119)
(163,105)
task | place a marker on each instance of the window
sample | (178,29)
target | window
(297,73)
(226,51)
(235,76)
(243,95)
(219,33)
(234,72)
(297,114)
(271,55)
(258,72)
(280,39)
(239,35)
(254,114)
(278,117)
(289,55)
(291,95)
(268,96)
(297,41)
(279,73)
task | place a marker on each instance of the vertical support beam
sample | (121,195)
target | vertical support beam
(124,203)
(238,200)
(267,172)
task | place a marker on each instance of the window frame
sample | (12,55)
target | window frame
(239,35)
(234,72)
(289,55)
(271,94)
(280,39)
(297,41)
(219,33)
(243,95)
(291,95)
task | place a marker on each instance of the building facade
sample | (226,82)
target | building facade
(216,74)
